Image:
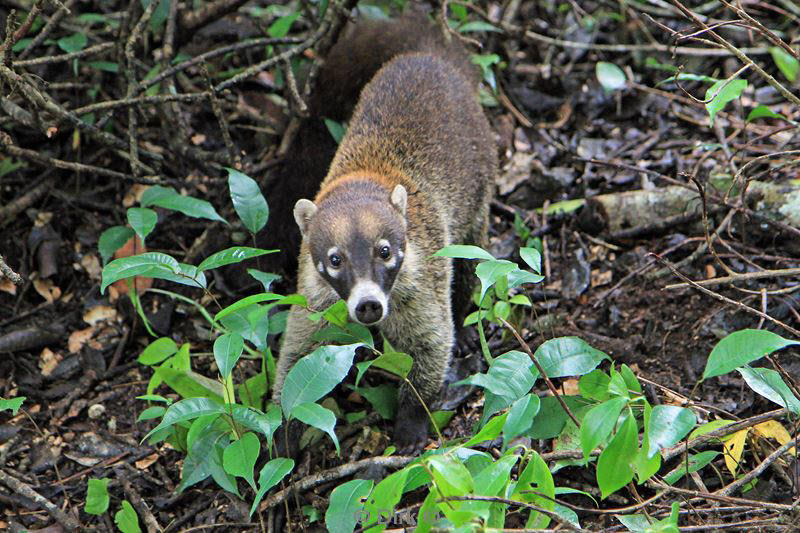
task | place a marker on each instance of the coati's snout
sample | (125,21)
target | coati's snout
(357,240)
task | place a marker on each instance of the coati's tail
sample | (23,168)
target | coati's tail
(361,51)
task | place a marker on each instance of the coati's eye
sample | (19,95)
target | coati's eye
(385,252)
(336,260)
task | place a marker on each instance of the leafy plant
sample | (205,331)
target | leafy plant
(221,425)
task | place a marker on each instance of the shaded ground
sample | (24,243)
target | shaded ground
(72,351)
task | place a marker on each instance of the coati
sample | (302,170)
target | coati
(412,174)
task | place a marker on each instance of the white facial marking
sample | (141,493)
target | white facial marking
(366,289)
(332,272)
(320,267)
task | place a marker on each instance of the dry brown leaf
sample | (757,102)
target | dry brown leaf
(601,278)
(99,313)
(134,194)
(47,289)
(91,264)
(198,139)
(48,360)
(7,286)
(144,463)
(78,338)
(570,386)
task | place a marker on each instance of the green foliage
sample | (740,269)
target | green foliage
(786,63)
(610,76)
(11,404)
(97,497)
(221,425)
(126,519)
(722,92)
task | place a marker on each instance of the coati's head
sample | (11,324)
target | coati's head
(357,239)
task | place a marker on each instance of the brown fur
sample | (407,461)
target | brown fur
(418,124)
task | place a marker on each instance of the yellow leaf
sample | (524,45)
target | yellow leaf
(734,448)
(772,429)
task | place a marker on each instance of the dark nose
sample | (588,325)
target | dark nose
(369,311)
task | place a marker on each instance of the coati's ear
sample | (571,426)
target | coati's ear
(399,198)
(304,211)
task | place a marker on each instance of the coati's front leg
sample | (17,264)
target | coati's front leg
(421,327)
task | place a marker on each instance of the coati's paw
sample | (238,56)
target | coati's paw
(410,432)
(288,448)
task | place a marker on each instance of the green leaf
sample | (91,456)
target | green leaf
(73,43)
(490,431)
(126,519)
(97,497)
(568,356)
(228,349)
(205,459)
(478,25)
(317,416)
(105,66)
(265,278)
(708,427)
(533,258)
(157,351)
(510,376)
(385,497)
(518,277)
(315,375)
(787,64)
(610,76)
(11,404)
(336,129)
(770,385)
(741,348)
(598,424)
(168,198)
(150,413)
(345,505)
(240,456)
(464,251)
(594,385)
(272,472)
(551,418)
(392,361)
(150,264)
(187,410)
(247,302)
(761,112)
(520,417)
(142,220)
(614,466)
(645,467)
(248,201)
(731,91)
(695,463)
(264,423)
(235,254)
(485,62)
(112,240)
(668,425)
(535,485)
(383,399)
(490,271)
(281,26)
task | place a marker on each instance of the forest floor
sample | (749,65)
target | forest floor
(562,136)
